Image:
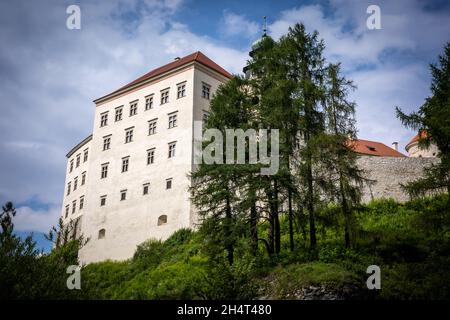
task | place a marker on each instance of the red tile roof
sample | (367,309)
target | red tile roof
(373,148)
(423,135)
(196,56)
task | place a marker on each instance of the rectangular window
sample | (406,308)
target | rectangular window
(83,178)
(102,201)
(106,142)
(123,195)
(172,149)
(68,188)
(125,162)
(104,170)
(164,96)
(75,183)
(173,120)
(78,160)
(181,90)
(205,117)
(133,108)
(74,206)
(152,127)
(81,202)
(149,102)
(67,211)
(118,115)
(71,166)
(103,119)
(205,90)
(146,186)
(129,135)
(85,157)
(151,156)
(169,183)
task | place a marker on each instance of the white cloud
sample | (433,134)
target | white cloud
(387,65)
(238,25)
(28,219)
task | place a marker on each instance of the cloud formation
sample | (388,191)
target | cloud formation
(238,25)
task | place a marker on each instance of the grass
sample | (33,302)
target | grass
(410,242)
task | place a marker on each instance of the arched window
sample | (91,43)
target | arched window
(162,220)
(101,233)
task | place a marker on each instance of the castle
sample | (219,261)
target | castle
(129,180)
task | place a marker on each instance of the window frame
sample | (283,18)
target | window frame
(125,164)
(182,86)
(207,86)
(133,107)
(123,195)
(149,100)
(104,119)
(146,189)
(103,201)
(118,115)
(171,149)
(169,183)
(152,125)
(173,119)
(104,170)
(164,93)
(129,137)
(151,155)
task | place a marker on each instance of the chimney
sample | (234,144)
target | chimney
(177,58)
(395,146)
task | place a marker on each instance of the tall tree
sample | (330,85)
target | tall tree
(346,178)
(216,185)
(432,122)
(302,54)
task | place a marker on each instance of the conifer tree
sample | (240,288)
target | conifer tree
(432,122)
(346,179)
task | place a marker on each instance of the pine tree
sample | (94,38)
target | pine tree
(215,189)
(433,119)
(339,158)
(302,54)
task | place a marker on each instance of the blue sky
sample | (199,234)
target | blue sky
(49,75)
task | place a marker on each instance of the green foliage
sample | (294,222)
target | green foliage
(283,282)
(432,121)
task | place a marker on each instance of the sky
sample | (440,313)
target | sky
(49,75)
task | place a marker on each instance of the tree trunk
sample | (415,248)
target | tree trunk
(228,225)
(346,212)
(254,229)
(291,217)
(277,220)
(310,206)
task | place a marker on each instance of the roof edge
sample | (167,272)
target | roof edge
(79,145)
(188,63)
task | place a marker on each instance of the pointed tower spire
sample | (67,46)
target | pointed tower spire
(265,26)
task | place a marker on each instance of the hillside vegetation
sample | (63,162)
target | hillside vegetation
(410,243)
